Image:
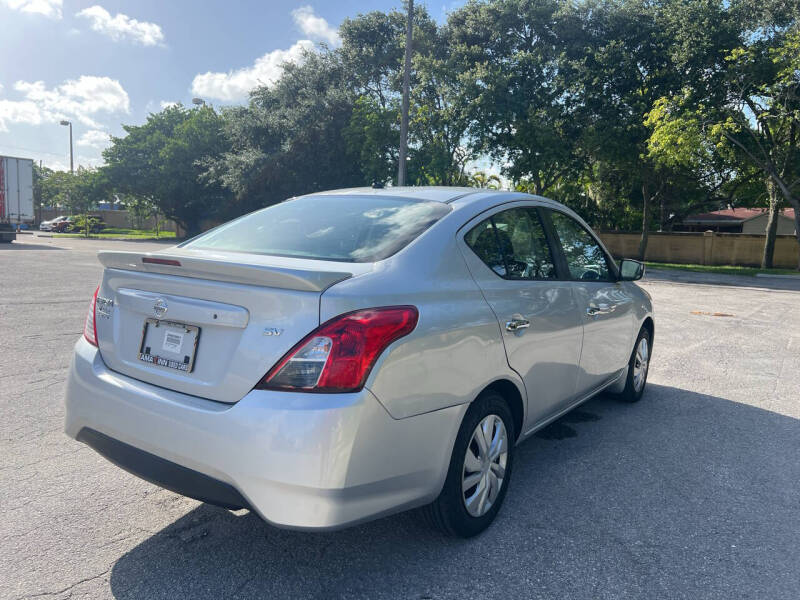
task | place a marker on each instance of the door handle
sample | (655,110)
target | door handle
(603,309)
(517,324)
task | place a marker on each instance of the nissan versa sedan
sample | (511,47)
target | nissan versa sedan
(350,354)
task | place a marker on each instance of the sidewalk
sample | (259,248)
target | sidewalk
(783,283)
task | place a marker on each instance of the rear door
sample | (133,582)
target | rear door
(510,258)
(606,306)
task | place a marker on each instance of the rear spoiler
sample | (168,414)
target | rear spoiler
(225,267)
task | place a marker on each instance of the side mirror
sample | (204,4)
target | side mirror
(630,270)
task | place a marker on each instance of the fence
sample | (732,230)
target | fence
(704,248)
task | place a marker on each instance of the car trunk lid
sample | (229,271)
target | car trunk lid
(207,324)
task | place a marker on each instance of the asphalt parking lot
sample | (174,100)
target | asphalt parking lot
(692,493)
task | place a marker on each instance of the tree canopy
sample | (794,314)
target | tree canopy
(164,161)
(636,113)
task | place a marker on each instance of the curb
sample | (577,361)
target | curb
(769,276)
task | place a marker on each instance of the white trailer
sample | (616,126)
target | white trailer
(16,195)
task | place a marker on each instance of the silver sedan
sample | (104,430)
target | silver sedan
(350,354)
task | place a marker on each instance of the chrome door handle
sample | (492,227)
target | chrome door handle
(517,324)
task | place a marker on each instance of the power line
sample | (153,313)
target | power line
(62,155)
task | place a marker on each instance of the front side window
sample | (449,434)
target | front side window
(586,260)
(513,244)
(327,227)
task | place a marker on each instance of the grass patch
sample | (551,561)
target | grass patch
(123,233)
(722,269)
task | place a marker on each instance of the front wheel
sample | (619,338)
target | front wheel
(638,367)
(480,469)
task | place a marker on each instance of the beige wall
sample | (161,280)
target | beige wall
(704,248)
(759,225)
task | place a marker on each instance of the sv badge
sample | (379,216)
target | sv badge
(104,306)
(272,331)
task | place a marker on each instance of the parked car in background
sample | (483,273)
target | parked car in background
(63,226)
(78,224)
(350,354)
(48,225)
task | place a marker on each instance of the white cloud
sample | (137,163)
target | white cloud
(80,99)
(95,138)
(315,27)
(122,27)
(19,112)
(48,8)
(56,164)
(235,85)
(89,161)
(166,104)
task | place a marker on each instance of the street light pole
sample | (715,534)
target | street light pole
(401,168)
(71,169)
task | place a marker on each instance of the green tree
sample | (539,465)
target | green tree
(40,177)
(508,51)
(58,188)
(372,137)
(440,112)
(90,188)
(372,52)
(560,92)
(163,160)
(291,137)
(480,179)
(79,192)
(618,63)
(332,121)
(141,208)
(755,124)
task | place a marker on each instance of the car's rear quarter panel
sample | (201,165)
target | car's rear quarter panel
(456,349)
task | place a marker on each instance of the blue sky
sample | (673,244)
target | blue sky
(101,63)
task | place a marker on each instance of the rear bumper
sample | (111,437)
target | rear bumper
(162,472)
(307,461)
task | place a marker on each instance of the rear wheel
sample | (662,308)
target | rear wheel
(638,367)
(480,469)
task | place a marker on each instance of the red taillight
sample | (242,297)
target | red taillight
(339,354)
(161,261)
(90,325)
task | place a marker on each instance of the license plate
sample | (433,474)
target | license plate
(169,344)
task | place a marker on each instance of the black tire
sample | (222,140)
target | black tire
(448,513)
(631,393)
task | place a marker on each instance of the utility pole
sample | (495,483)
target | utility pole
(401,168)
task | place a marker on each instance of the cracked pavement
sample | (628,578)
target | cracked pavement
(692,493)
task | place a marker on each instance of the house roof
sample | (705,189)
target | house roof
(734,215)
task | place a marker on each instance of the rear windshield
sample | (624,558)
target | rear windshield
(340,228)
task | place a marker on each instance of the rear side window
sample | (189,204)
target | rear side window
(483,241)
(327,227)
(586,260)
(514,245)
